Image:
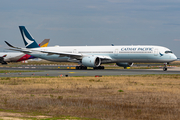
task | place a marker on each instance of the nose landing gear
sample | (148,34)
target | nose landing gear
(165,67)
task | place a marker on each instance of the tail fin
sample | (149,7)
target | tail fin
(29,41)
(4,55)
(44,43)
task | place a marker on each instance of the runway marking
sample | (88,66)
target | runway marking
(77,72)
(72,72)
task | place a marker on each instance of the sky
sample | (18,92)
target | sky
(92,22)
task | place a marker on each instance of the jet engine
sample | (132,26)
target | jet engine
(91,61)
(124,64)
(2,60)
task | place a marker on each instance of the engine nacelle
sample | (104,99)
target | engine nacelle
(124,64)
(2,60)
(91,61)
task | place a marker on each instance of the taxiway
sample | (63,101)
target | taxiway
(49,71)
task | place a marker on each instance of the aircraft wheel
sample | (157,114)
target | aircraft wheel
(95,68)
(84,68)
(102,67)
(81,68)
(99,68)
(4,63)
(164,68)
(77,67)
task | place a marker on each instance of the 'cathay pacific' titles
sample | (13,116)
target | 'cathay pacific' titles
(137,49)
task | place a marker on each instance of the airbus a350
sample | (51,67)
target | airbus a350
(94,56)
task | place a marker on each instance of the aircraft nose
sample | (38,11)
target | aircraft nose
(174,57)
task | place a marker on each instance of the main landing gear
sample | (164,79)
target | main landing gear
(165,67)
(99,68)
(81,68)
(4,63)
(85,68)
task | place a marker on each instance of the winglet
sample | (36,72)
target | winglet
(9,44)
(12,46)
(29,41)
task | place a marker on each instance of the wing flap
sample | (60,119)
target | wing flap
(61,54)
(21,50)
(105,57)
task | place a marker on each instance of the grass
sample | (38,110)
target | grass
(12,114)
(15,71)
(112,97)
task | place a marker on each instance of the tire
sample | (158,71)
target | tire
(4,63)
(99,68)
(164,68)
(81,68)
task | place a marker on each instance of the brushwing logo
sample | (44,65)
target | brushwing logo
(29,42)
(161,54)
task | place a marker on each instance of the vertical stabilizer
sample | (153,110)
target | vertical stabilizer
(44,43)
(29,41)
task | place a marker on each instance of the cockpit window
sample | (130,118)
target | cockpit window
(168,52)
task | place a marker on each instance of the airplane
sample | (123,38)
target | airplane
(6,57)
(94,56)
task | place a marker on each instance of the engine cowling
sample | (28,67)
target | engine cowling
(124,64)
(1,59)
(91,61)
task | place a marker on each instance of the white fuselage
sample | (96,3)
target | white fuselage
(11,56)
(137,53)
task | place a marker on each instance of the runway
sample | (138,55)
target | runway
(50,71)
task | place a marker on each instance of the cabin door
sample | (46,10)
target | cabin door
(74,51)
(116,52)
(155,52)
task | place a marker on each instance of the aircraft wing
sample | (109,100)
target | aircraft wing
(11,45)
(61,54)
(24,50)
(105,57)
(73,55)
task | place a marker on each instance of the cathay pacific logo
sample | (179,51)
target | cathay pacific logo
(29,42)
(161,54)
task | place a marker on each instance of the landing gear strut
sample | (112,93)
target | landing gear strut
(165,67)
